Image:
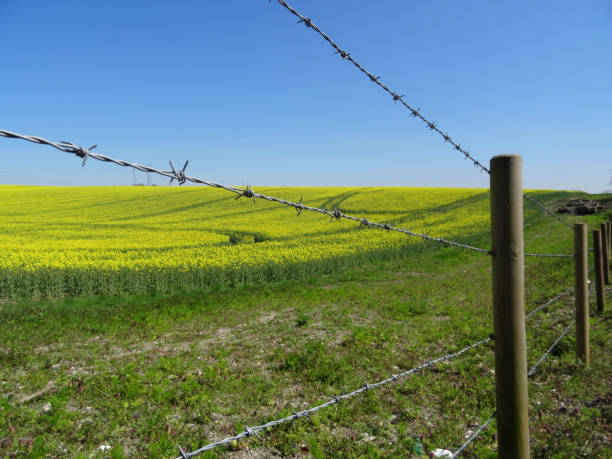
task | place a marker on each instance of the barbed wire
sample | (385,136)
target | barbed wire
(181,178)
(415,112)
(254,431)
(548,303)
(474,436)
(552,214)
(549,350)
(549,255)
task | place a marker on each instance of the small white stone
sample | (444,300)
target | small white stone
(46,407)
(442,453)
(104,447)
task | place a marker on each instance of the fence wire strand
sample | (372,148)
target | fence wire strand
(474,436)
(548,303)
(545,210)
(549,350)
(415,112)
(549,255)
(255,430)
(181,178)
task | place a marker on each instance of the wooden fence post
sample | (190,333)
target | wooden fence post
(598,266)
(509,306)
(581,292)
(610,239)
(605,237)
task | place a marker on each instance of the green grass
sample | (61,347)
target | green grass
(146,373)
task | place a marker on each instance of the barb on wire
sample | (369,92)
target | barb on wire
(548,303)
(544,209)
(376,80)
(474,436)
(248,192)
(549,350)
(249,431)
(178,175)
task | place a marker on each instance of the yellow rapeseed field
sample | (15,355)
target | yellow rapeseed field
(84,240)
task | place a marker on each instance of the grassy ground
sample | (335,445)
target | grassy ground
(143,374)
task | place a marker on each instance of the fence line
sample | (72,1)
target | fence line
(376,80)
(181,177)
(254,431)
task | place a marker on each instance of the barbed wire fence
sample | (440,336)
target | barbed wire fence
(181,177)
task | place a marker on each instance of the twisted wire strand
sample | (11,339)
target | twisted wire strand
(549,350)
(549,255)
(548,303)
(181,177)
(255,430)
(415,112)
(544,209)
(474,436)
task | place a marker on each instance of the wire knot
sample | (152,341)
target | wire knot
(396,96)
(387,227)
(307,22)
(337,214)
(299,207)
(415,112)
(250,432)
(178,175)
(343,54)
(367,386)
(374,79)
(431,125)
(248,193)
(78,151)
(365,222)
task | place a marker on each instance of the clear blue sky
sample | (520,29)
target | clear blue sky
(251,97)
